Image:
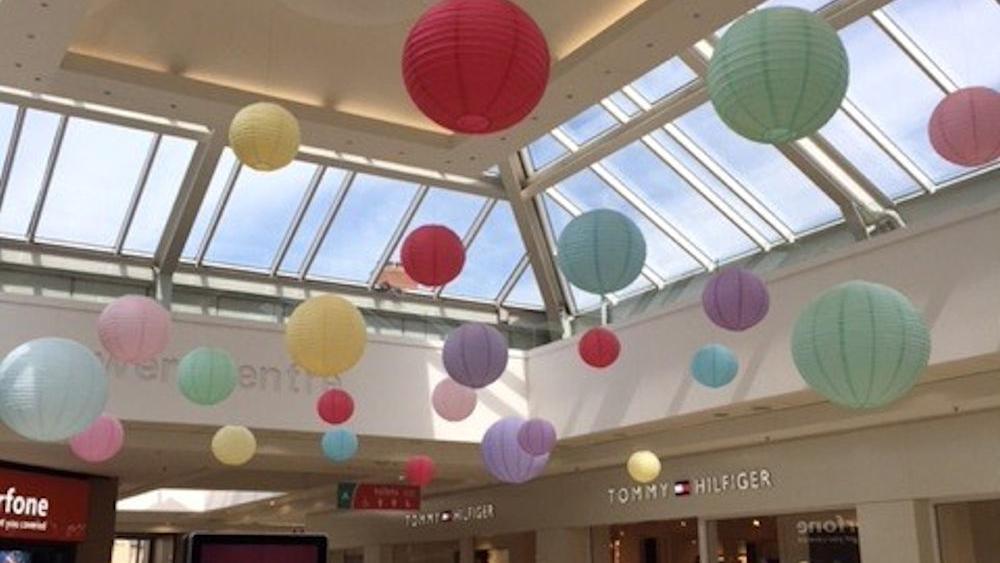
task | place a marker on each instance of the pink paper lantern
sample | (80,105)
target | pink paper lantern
(453,401)
(420,470)
(965,127)
(100,442)
(134,329)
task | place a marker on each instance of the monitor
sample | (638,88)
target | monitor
(255,548)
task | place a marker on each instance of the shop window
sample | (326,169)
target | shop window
(670,541)
(131,550)
(967,531)
(816,537)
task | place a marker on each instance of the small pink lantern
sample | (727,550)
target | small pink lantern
(537,437)
(100,442)
(965,127)
(420,470)
(453,401)
(134,329)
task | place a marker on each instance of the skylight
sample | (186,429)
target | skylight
(190,500)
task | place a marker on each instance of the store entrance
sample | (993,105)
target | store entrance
(28,552)
(818,537)
(669,541)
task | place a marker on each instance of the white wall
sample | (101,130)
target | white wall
(951,271)
(391,385)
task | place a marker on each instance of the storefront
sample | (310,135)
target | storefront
(48,517)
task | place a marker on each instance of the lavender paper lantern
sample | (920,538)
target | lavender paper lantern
(100,442)
(735,299)
(503,455)
(453,402)
(475,355)
(537,436)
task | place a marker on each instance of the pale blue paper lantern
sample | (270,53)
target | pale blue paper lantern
(714,366)
(340,445)
(51,389)
(601,251)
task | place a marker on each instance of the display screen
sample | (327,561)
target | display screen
(256,549)
(15,556)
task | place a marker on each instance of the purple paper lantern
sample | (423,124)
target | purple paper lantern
(475,355)
(504,457)
(735,299)
(537,436)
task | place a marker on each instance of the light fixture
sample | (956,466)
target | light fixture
(756,523)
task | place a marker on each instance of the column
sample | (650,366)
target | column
(563,545)
(378,554)
(708,540)
(467,550)
(895,532)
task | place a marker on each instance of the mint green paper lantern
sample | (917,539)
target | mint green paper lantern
(861,345)
(207,376)
(778,74)
(601,251)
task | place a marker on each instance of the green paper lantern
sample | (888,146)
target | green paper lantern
(207,376)
(861,345)
(601,251)
(778,74)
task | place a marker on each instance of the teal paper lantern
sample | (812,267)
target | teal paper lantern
(207,376)
(601,251)
(714,366)
(778,74)
(51,389)
(861,345)
(339,445)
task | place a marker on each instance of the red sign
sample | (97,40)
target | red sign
(35,506)
(366,496)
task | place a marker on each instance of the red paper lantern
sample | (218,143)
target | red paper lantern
(599,347)
(335,406)
(433,255)
(420,470)
(965,127)
(476,66)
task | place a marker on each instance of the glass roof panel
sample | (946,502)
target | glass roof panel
(492,257)
(545,151)
(173,157)
(27,172)
(8,115)
(525,292)
(674,199)
(868,157)
(961,38)
(876,62)
(625,104)
(763,171)
(589,124)
(664,80)
(455,210)
(223,170)
(312,220)
(558,219)
(371,210)
(257,215)
(97,169)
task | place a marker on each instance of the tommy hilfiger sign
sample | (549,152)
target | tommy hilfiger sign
(713,484)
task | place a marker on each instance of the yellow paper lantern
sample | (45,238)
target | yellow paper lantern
(234,445)
(644,466)
(264,136)
(326,335)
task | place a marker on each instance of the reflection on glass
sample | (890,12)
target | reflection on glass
(159,194)
(28,169)
(815,537)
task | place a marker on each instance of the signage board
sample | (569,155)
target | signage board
(36,506)
(369,496)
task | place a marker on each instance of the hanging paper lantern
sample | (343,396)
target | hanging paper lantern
(476,66)
(452,401)
(537,436)
(134,329)
(433,255)
(965,127)
(644,466)
(735,299)
(420,470)
(264,136)
(601,251)
(503,456)
(100,442)
(51,389)
(335,406)
(861,345)
(778,74)
(714,366)
(234,445)
(599,347)
(339,445)
(475,355)
(326,335)
(207,376)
